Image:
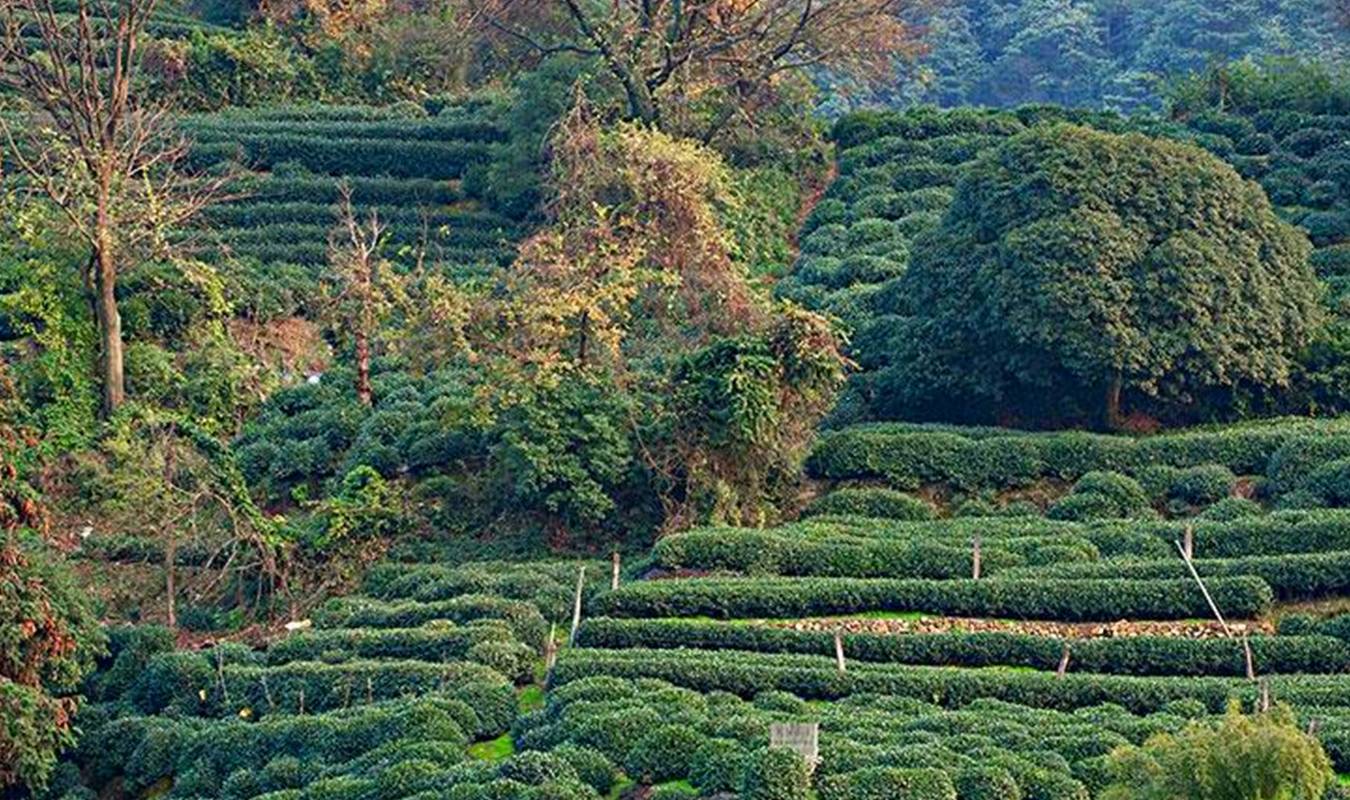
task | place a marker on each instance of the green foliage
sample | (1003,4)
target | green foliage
(1262,756)
(775,773)
(1057,599)
(565,450)
(1102,495)
(1295,650)
(910,457)
(1051,330)
(48,642)
(871,502)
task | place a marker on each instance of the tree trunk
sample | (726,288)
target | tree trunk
(1113,390)
(363,392)
(170,537)
(170,582)
(365,328)
(110,326)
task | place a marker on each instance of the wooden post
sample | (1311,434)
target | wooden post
(576,605)
(1188,542)
(975,559)
(614,572)
(839,650)
(1247,654)
(1212,607)
(1265,696)
(302,700)
(1063,662)
(551,647)
(370,690)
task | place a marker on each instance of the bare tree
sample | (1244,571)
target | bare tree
(364,288)
(683,51)
(94,146)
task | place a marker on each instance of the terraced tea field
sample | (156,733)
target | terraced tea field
(1083,632)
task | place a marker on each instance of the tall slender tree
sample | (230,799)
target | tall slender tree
(99,150)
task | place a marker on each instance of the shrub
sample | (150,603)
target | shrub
(888,783)
(717,766)
(1202,485)
(1232,508)
(986,783)
(591,766)
(775,773)
(1243,757)
(886,503)
(663,755)
(1102,495)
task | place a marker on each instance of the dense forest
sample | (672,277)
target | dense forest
(526,399)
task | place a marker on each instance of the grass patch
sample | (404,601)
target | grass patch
(530,698)
(493,750)
(623,784)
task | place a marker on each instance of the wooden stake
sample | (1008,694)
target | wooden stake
(1063,662)
(370,691)
(839,650)
(1265,696)
(576,605)
(302,700)
(614,573)
(975,559)
(1212,607)
(551,647)
(1247,654)
(1188,542)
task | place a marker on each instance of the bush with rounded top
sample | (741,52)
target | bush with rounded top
(871,502)
(717,766)
(775,773)
(664,754)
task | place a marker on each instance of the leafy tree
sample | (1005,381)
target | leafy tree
(696,68)
(95,148)
(48,635)
(1259,757)
(1075,262)
(1056,55)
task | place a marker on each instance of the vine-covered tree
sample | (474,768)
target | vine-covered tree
(1075,263)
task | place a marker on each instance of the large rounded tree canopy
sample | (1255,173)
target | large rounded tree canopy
(1077,263)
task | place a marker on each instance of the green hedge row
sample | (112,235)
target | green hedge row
(370,157)
(523,618)
(143,751)
(550,586)
(488,642)
(208,128)
(326,191)
(1297,576)
(1051,599)
(1133,655)
(908,457)
(769,552)
(299,234)
(194,683)
(262,213)
(1112,539)
(817,678)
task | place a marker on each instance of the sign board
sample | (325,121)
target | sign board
(802,738)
